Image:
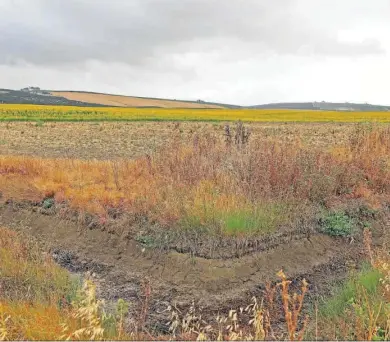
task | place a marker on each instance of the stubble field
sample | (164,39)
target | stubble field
(110,140)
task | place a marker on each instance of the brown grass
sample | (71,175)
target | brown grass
(128,101)
(216,185)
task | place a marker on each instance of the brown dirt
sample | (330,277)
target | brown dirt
(109,140)
(121,265)
(128,101)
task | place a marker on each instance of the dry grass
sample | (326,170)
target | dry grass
(41,301)
(229,190)
(31,288)
(256,322)
(27,274)
(205,183)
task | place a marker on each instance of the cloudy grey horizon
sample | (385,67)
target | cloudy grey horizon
(243,52)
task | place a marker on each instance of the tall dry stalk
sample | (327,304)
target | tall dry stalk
(88,312)
(292,306)
(367,240)
(145,305)
(3,324)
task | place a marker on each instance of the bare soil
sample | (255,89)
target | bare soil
(120,265)
(110,140)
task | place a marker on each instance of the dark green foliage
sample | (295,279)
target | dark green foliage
(338,224)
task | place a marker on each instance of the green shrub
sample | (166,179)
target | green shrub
(48,203)
(337,224)
(147,241)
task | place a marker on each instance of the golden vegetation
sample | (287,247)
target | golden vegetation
(68,113)
(229,189)
(128,101)
(41,301)
(237,187)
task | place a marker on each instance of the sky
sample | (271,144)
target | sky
(243,52)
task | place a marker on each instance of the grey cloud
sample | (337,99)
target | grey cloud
(143,33)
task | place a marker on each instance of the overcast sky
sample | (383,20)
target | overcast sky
(234,51)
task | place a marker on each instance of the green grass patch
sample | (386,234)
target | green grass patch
(346,294)
(256,220)
(346,314)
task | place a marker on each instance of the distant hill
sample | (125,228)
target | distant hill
(39,97)
(134,101)
(35,95)
(331,106)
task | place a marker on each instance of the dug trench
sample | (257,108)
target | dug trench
(121,266)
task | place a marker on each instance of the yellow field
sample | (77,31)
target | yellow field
(68,113)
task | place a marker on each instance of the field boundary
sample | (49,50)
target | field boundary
(43,113)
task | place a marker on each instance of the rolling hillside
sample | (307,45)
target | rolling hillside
(9,96)
(131,101)
(331,106)
(34,95)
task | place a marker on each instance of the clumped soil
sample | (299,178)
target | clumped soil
(121,265)
(111,140)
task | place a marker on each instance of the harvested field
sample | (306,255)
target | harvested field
(111,140)
(128,101)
